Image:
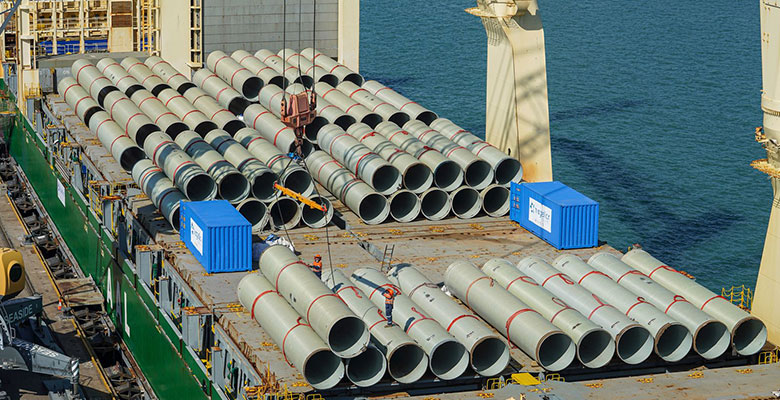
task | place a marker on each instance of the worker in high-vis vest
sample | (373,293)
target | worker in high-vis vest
(389,294)
(316,267)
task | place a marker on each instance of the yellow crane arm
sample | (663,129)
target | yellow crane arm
(301,198)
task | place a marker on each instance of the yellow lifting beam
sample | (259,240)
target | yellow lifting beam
(301,198)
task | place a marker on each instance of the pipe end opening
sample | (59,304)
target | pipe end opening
(386,179)
(323,370)
(418,178)
(285,213)
(674,342)
(201,187)
(404,206)
(449,360)
(367,368)
(330,79)
(280,81)
(373,209)
(466,202)
(596,348)
(427,117)
(298,181)
(711,340)
(634,345)
(556,352)
(251,87)
(233,126)
(233,187)
(448,176)
(253,210)
(348,337)
(355,78)
(400,118)
(314,128)
(749,336)
(490,357)
(345,121)
(131,156)
(372,120)
(508,170)
(407,363)
(435,204)
(479,174)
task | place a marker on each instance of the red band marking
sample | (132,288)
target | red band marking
(284,353)
(276,282)
(308,310)
(327,107)
(337,66)
(453,150)
(383,88)
(254,121)
(161,144)
(459,317)
(350,107)
(526,279)
(234,74)
(357,90)
(596,309)
(79,71)
(164,114)
(218,111)
(460,131)
(190,112)
(482,148)
(175,75)
(111,109)
(328,91)
(632,272)
(141,103)
(594,273)
(174,97)
(710,299)
(276,136)
(65,92)
(639,300)
(564,308)
(177,169)
(130,119)
(252,312)
(326,163)
(106,67)
(676,299)
(422,135)
(382,318)
(111,146)
(512,317)
(666,267)
(78,102)
(101,124)
(466,297)
(380,104)
(143,82)
(133,66)
(397,132)
(422,318)
(354,289)
(560,275)
(220,92)
(217,62)
(357,165)
(406,104)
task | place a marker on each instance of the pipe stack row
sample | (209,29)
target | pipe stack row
(605,309)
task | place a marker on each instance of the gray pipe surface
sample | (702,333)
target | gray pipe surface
(404,206)
(477,172)
(507,169)
(272,129)
(333,67)
(367,368)
(349,106)
(447,358)
(261,178)
(466,202)
(143,75)
(367,204)
(333,114)
(221,116)
(299,344)
(672,339)
(414,110)
(748,333)
(290,72)
(78,98)
(373,103)
(308,68)
(126,114)
(447,174)
(325,312)
(489,353)
(267,74)
(523,326)
(234,74)
(710,337)
(90,78)
(406,360)
(220,91)
(167,73)
(435,204)
(183,171)
(314,218)
(415,176)
(291,175)
(255,211)
(495,200)
(285,212)
(159,189)
(231,184)
(194,118)
(113,139)
(595,346)
(634,342)
(359,159)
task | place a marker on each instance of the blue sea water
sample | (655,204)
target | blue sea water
(652,111)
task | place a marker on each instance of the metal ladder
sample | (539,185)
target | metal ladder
(387,257)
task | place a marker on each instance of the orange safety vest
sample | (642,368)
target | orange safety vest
(389,296)
(317,266)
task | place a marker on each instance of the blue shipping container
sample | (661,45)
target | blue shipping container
(217,235)
(556,213)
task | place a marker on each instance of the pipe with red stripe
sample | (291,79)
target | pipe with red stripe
(298,342)
(134,121)
(506,169)
(234,74)
(521,325)
(448,358)
(225,95)
(595,346)
(164,195)
(489,353)
(633,342)
(281,67)
(262,120)
(345,333)
(406,360)
(673,341)
(373,103)
(347,105)
(748,333)
(194,118)
(308,68)
(167,73)
(268,75)
(328,64)
(333,115)
(414,110)
(180,168)
(221,116)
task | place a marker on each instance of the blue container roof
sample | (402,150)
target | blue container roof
(559,193)
(216,213)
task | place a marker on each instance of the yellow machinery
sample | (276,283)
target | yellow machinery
(11,273)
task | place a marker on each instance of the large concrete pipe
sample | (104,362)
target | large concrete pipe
(466,202)
(255,211)
(710,337)
(90,78)
(507,169)
(231,184)
(272,129)
(234,74)
(168,74)
(447,358)
(299,344)
(308,68)
(290,72)
(447,174)
(748,333)
(406,360)
(489,353)
(333,114)
(367,204)
(113,138)
(595,346)
(159,189)
(316,218)
(221,116)
(219,90)
(349,106)
(318,122)
(291,175)
(285,212)
(194,118)
(414,110)
(634,342)
(268,75)
(404,206)
(373,103)
(415,176)
(435,204)
(183,171)
(333,67)
(142,74)
(137,125)
(359,159)
(477,172)
(326,313)
(523,326)
(495,200)
(261,179)
(672,339)
(367,368)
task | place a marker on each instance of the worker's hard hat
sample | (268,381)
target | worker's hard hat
(317,256)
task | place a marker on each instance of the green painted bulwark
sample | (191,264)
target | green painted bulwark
(162,363)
